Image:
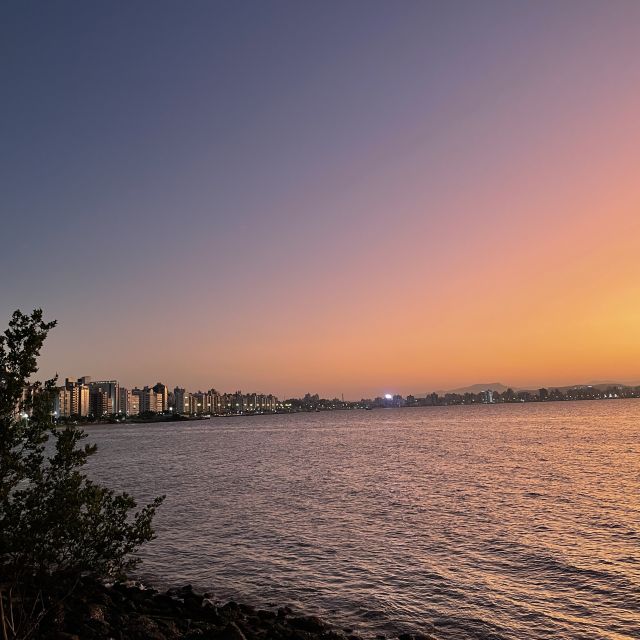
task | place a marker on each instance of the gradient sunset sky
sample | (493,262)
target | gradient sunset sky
(334,197)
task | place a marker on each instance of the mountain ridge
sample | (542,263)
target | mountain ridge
(501,388)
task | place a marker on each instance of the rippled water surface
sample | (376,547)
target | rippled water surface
(512,521)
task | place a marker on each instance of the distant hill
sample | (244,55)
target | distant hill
(501,388)
(476,388)
(601,386)
(607,383)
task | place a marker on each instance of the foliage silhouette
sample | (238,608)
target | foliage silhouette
(55,523)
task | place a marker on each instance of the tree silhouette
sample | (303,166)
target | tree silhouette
(55,523)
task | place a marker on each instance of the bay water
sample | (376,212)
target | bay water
(497,521)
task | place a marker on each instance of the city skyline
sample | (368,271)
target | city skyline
(337,198)
(389,391)
(91,400)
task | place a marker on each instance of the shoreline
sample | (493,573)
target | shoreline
(182,418)
(94,610)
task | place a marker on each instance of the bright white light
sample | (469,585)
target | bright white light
(388,396)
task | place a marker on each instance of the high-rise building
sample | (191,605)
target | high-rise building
(73,399)
(251,402)
(149,400)
(161,390)
(62,402)
(267,403)
(100,403)
(134,405)
(124,401)
(83,400)
(238,402)
(199,403)
(111,388)
(182,400)
(207,402)
(216,402)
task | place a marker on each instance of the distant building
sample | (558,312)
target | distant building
(162,391)
(213,403)
(239,402)
(112,389)
(203,403)
(100,403)
(72,399)
(148,399)
(124,401)
(83,397)
(392,400)
(134,405)
(182,400)
(487,396)
(266,403)
(62,402)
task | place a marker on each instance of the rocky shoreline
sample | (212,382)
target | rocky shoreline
(129,611)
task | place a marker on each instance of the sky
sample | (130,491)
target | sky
(351,197)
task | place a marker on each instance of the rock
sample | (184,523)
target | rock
(332,635)
(172,630)
(143,628)
(116,596)
(230,611)
(95,612)
(263,614)
(230,632)
(193,601)
(165,601)
(96,629)
(181,592)
(125,611)
(136,595)
(312,624)
(283,612)
(211,613)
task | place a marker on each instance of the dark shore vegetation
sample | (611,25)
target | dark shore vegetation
(56,525)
